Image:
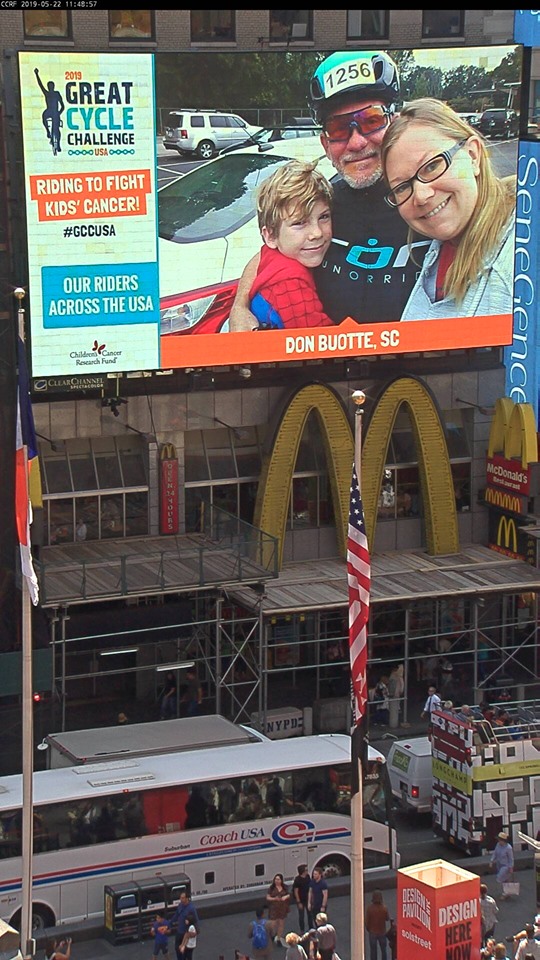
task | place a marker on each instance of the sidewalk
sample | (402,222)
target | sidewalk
(224,926)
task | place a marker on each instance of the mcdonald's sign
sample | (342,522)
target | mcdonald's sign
(506,534)
(509,502)
(168,489)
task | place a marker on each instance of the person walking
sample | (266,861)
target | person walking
(502,859)
(529,946)
(261,932)
(396,690)
(186,948)
(489,912)
(377,916)
(295,950)
(325,936)
(433,702)
(301,893)
(58,949)
(160,931)
(278,899)
(317,895)
(182,918)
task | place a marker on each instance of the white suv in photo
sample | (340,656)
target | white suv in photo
(204,132)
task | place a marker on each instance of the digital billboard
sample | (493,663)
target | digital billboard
(136,251)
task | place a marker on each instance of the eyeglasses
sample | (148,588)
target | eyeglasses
(339,128)
(429,171)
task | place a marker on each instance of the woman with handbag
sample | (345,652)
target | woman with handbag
(502,859)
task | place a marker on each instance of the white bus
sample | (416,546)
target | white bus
(229,817)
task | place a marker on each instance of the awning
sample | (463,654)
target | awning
(413,575)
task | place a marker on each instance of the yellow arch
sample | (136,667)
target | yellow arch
(273,496)
(440,515)
(271,508)
(513,432)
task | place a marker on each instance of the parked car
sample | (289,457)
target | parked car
(471,118)
(204,132)
(208,231)
(290,130)
(409,769)
(497,122)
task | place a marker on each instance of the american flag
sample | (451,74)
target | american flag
(359,580)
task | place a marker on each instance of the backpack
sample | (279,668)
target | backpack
(260,936)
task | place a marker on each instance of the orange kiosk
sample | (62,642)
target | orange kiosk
(438,912)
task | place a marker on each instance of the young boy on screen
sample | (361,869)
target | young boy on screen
(294,209)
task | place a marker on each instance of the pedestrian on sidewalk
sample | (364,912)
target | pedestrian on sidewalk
(261,932)
(377,916)
(160,931)
(433,702)
(502,859)
(186,948)
(295,950)
(58,949)
(326,937)
(317,896)
(489,912)
(300,894)
(278,898)
(184,915)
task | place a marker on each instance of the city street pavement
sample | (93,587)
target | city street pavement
(226,931)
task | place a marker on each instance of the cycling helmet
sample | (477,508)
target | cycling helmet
(348,74)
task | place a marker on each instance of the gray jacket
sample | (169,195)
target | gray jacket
(491,293)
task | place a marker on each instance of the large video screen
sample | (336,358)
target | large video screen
(143,173)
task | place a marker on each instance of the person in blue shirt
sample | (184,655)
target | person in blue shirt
(160,931)
(184,915)
(317,895)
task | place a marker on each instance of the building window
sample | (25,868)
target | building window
(94,489)
(367,24)
(46,24)
(131,25)
(401,491)
(222,469)
(442,23)
(212,26)
(311,501)
(291,25)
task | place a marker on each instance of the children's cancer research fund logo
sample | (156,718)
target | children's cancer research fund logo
(97,355)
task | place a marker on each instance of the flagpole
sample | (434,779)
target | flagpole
(27,943)
(357,824)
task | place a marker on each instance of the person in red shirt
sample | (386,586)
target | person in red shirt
(294,210)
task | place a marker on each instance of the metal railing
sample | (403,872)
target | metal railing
(223,550)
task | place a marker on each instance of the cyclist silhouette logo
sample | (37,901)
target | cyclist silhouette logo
(51,116)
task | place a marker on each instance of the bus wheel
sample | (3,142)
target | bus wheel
(42,918)
(335,866)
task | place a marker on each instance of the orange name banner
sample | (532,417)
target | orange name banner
(349,339)
(84,195)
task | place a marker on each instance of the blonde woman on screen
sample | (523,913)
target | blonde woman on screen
(442,183)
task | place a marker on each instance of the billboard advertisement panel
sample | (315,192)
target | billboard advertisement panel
(89,159)
(521,357)
(136,252)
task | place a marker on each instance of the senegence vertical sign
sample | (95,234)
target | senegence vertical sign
(90,174)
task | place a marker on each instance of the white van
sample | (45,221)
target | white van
(409,767)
